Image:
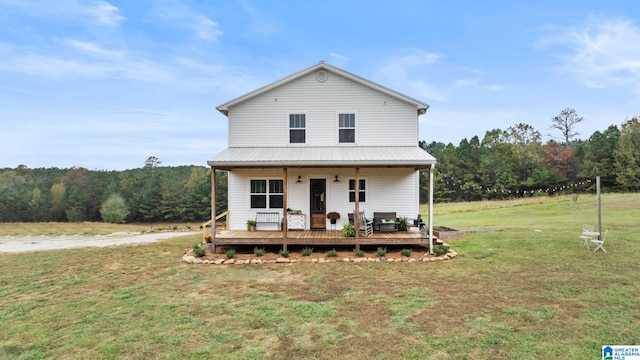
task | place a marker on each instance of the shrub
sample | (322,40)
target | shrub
(284,253)
(307,251)
(114,209)
(402,224)
(382,251)
(160,228)
(405,252)
(188,226)
(332,253)
(258,251)
(230,253)
(198,250)
(359,253)
(440,249)
(348,230)
(174,227)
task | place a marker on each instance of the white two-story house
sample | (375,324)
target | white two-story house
(316,141)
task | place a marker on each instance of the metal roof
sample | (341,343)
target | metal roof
(338,156)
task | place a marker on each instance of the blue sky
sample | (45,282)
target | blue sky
(106,84)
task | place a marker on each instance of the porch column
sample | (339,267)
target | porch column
(285,226)
(356,215)
(431,209)
(213,210)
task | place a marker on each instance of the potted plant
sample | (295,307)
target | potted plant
(333,216)
(251,225)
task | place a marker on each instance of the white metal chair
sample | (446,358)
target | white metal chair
(587,231)
(599,243)
(366,226)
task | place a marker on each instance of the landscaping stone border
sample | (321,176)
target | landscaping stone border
(190,259)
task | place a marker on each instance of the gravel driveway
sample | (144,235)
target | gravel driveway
(16,244)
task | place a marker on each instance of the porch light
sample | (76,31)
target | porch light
(299,179)
(336,179)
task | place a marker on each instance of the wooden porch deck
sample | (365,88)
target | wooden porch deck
(315,237)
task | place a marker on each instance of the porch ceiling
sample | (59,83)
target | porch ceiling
(342,156)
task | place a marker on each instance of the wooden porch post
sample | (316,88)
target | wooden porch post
(431,209)
(285,226)
(356,215)
(213,209)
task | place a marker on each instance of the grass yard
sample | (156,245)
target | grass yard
(512,293)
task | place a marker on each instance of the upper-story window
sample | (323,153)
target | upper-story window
(297,128)
(266,194)
(347,128)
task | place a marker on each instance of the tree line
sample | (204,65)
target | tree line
(149,194)
(514,162)
(506,163)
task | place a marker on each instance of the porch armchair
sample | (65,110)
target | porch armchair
(365,226)
(417,222)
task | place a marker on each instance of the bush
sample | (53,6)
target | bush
(359,253)
(402,224)
(114,209)
(332,253)
(284,253)
(188,226)
(348,230)
(174,227)
(230,253)
(258,251)
(307,251)
(440,249)
(405,252)
(382,251)
(198,250)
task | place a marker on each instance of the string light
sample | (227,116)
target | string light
(461,185)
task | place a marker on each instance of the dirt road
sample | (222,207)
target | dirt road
(16,244)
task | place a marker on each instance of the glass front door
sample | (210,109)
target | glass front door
(318,188)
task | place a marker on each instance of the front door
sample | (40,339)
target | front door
(318,188)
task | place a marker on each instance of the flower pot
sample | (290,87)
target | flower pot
(333,221)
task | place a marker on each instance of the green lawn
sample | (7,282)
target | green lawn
(511,293)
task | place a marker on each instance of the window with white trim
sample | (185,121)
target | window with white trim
(347,128)
(297,128)
(362,190)
(266,194)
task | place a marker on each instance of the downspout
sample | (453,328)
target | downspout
(431,209)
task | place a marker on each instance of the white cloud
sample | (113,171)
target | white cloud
(102,12)
(105,13)
(180,14)
(338,60)
(601,53)
(92,48)
(62,66)
(401,72)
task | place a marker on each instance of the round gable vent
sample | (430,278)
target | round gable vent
(322,76)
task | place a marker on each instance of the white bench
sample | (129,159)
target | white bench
(268,218)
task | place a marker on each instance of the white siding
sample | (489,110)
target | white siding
(387,190)
(381,120)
